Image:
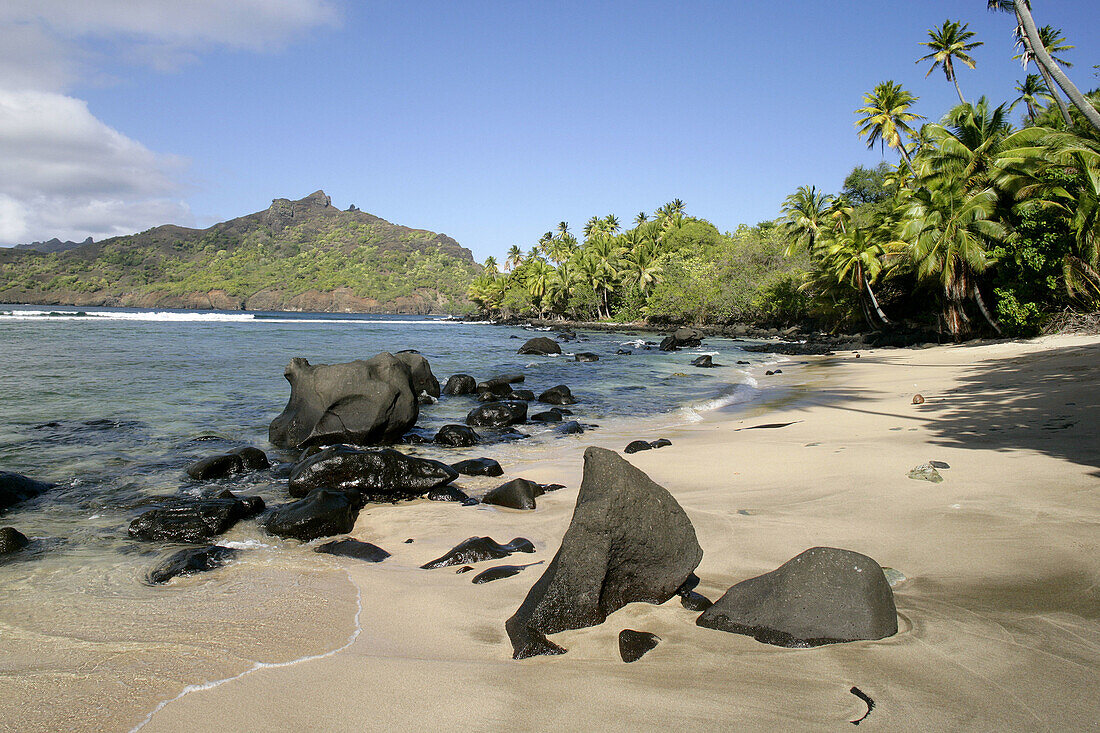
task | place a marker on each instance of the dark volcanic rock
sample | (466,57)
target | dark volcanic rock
(500,572)
(219,466)
(353,548)
(497,414)
(361,402)
(559,395)
(420,373)
(548,416)
(460,384)
(478,467)
(704,361)
(377,474)
(823,596)
(634,644)
(476,549)
(194,520)
(191,561)
(586,356)
(322,513)
(496,386)
(660,443)
(623,352)
(15,487)
(457,436)
(570,427)
(789,349)
(682,337)
(628,541)
(523,395)
(11,540)
(519,493)
(540,345)
(637,445)
(451,493)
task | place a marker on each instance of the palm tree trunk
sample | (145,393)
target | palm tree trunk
(1050,85)
(958,91)
(1043,60)
(985,311)
(874,301)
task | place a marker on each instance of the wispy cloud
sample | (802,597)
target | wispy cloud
(65,173)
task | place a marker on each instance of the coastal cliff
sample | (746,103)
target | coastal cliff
(303,255)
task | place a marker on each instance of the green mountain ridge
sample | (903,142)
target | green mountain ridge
(303,255)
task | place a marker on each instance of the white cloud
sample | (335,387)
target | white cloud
(64,173)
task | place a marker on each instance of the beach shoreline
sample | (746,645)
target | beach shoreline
(998,616)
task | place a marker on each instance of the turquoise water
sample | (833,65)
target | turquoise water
(113,404)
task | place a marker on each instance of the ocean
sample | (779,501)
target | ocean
(112,405)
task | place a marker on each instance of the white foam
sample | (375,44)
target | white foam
(741,393)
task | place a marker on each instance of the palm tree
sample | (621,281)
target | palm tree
(803,214)
(1053,43)
(1027,31)
(947,231)
(592,227)
(515,256)
(563,228)
(537,280)
(604,255)
(857,258)
(840,213)
(641,267)
(964,146)
(1032,91)
(491,264)
(676,206)
(886,116)
(611,224)
(950,43)
(641,218)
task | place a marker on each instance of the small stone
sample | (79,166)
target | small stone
(12,540)
(938,464)
(637,445)
(634,644)
(894,577)
(926,472)
(918,399)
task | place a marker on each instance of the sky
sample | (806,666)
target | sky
(487,121)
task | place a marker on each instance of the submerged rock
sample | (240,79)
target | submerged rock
(194,520)
(497,414)
(518,493)
(12,540)
(628,541)
(353,548)
(478,467)
(548,416)
(704,362)
(569,427)
(823,596)
(15,487)
(540,345)
(457,436)
(586,356)
(523,395)
(460,384)
(635,446)
(362,402)
(477,549)
(559,395)
(450,493)
(225,464)
(377,474)
(322,513)
(634,644)
(191,561)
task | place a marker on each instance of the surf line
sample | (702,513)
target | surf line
(257,666)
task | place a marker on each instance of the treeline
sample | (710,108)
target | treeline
(980,227)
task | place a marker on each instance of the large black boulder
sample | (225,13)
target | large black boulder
(478,467)
(457,436)
(460,384)
(823,596)
(499,386)
(219,466)
(322,513)
(476,549)
(682,337)
(628,541)
(519,493)
(540,345)
(12,540)
(361,402)
(559,395)
(377,474)
(497,414)
(193,520)
(191,561)
(420,372)
(15,487)
(353,548)
(706,361)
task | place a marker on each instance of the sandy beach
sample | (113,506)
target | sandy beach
(999,617)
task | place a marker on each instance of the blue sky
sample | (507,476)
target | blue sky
(489,121)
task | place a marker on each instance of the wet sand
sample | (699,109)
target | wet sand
(999,618)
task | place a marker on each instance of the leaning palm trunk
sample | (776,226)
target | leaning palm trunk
(874,302)
(1046,80)
(985,311)
(1043,60)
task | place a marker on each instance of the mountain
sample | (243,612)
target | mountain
(53,245)
(303,255)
